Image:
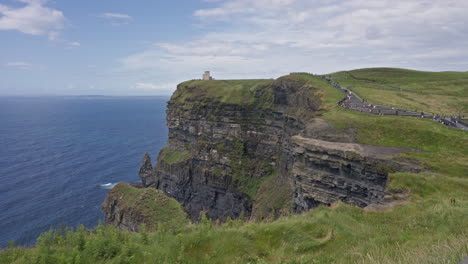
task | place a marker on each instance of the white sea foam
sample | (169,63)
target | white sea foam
(107,186)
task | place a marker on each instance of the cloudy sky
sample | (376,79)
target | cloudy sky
(118,47)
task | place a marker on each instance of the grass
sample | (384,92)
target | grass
(317,93)
(243,166)
(173,156)
(441,147)
(395,76)
(273,198)
(428,229)
(443,93)
(328,95)
(223,91)
(150,204)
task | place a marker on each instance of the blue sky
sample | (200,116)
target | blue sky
(118,47)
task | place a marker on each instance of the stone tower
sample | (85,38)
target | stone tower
(206,76)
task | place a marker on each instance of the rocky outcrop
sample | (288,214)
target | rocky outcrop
(325,172)
(128,208)
(263,154)
(146,170)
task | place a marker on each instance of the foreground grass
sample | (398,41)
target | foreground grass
(428,230)
(443,93)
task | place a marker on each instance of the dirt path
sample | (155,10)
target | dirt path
(354,102)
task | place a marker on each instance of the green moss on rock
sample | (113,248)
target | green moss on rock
(274,198)
(173,156)
(134,206)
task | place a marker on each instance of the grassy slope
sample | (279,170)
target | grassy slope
(152,204)
(443,93)
(429,229)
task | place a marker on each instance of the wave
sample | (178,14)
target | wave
(107,186)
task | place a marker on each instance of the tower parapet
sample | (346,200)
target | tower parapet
(207,76)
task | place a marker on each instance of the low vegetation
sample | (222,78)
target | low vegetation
(273,198)
(242,166)
(224,91)
(157,209)
(172,156)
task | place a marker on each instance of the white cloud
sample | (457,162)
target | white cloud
(355,23)
(19,64)
(53,35)
(267,38)
(213,47)
(116,19)
(228,8)
(116,16)
(74,43)
(33,18)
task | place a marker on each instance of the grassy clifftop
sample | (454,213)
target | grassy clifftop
(443,93)
(223,91)
(407,77)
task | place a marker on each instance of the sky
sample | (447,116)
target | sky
(147,47)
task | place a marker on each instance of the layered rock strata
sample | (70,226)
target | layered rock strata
(265,154)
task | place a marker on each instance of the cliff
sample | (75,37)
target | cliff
(258,148)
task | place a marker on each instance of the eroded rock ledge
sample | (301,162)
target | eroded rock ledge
(325,172)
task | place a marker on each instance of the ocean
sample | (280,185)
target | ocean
(56,154)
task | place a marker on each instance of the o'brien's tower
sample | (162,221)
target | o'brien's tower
(206,76)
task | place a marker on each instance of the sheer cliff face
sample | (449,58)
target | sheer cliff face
(261,152)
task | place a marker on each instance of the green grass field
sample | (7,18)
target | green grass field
(443,93)
(427,229)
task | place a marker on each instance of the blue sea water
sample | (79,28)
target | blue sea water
(56,151)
